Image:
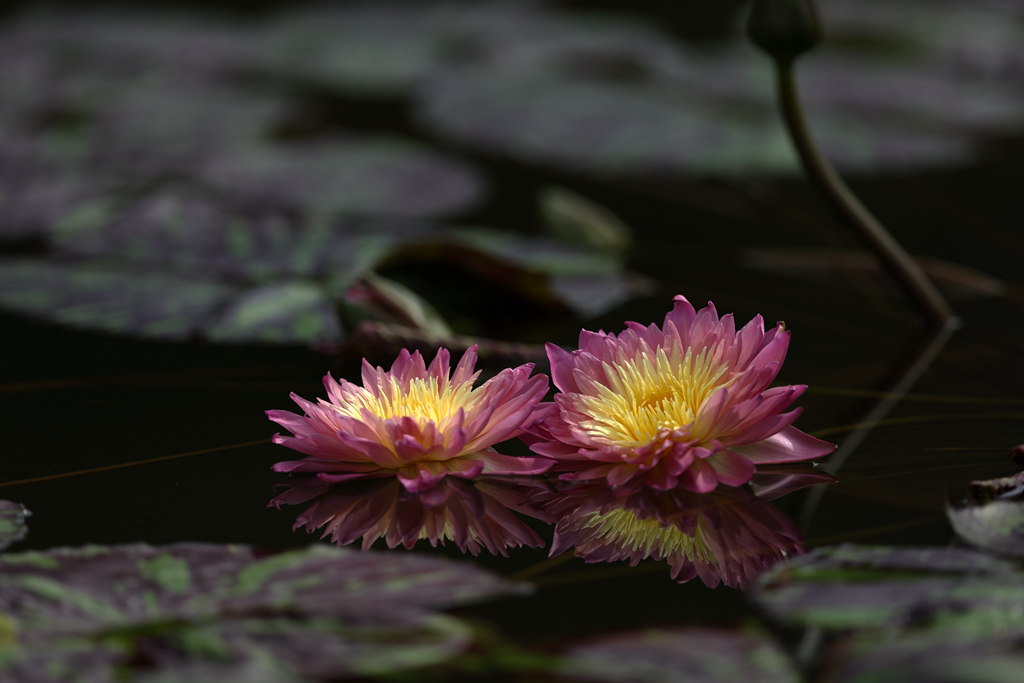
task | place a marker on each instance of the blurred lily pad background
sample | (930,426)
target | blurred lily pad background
(230,174)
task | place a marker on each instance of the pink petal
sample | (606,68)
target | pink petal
(788,445)
(732,469)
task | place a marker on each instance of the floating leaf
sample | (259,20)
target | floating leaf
(12,525)
(992,515)
(321,613)
(851,586)
(921,614)
(692,655)
(383,176)
(111,299)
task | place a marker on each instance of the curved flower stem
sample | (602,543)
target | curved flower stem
(821,173)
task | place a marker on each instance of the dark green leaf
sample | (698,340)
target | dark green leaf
(693,656)
(322,612)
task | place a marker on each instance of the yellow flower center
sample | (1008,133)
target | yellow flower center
(648,395)
(427,400)
(632,534)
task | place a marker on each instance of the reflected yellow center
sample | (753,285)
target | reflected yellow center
(648,536)
(647,395)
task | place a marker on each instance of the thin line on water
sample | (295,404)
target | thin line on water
(540,567)
(107,468)
(924,398)
(874,531)
(915,419)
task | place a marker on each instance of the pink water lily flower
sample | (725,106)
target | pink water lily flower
(415,422)
(684,405)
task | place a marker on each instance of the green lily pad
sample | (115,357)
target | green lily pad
(671,656)
(111,299)
(321,613)
(905,614)
(12,523)
(851,586)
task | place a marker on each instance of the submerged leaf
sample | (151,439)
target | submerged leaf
(320,612)
(12,525)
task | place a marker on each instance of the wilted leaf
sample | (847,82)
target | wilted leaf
(693,656)
(956,281)
(321,612)
(992,515)
(12,525)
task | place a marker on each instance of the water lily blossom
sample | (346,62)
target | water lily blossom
(415,422)
(687,404)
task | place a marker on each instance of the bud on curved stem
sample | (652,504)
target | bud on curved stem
(784,28)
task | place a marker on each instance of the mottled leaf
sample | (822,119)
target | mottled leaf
(930,660)
(693,656)
(112,299)
(321,613)
(12,524)
(851,586)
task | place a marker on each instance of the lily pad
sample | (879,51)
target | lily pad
(860,587)
(382,176)
(691,655)
(12,522)
(320,613)
(112,300)
(921,614)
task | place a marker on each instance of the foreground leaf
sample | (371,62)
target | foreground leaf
(322,613)
(12,522)
(690,656)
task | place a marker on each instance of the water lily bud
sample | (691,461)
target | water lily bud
(784,28)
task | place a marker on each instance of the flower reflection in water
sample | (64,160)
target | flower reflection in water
(472,514)
(728,536)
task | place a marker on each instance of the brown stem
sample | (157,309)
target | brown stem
(893,256)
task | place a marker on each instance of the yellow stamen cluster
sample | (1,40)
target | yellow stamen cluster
(644,536)
(426,400)
(647,395)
